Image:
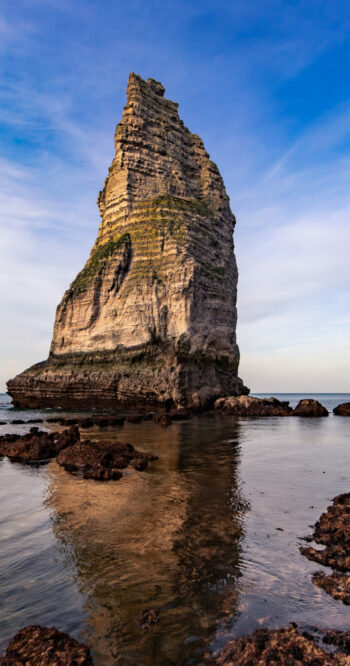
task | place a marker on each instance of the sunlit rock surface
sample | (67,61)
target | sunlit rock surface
(151,318)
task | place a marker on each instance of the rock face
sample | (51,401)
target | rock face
(44,646)
(151,318)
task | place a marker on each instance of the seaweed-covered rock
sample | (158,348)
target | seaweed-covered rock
(102,460)
(337,585)
(285,647)
(247,405)
(332,530)
(310,408)
(343,409)
(45,646)
(37,445)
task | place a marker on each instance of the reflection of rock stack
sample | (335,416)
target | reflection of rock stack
(151,318)
(168,539)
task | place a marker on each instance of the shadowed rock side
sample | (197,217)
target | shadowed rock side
(45,646)
(151,318)
(282,647)
(333,531)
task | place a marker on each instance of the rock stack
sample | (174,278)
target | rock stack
(150,320)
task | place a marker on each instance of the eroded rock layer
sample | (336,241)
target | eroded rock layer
(151,318)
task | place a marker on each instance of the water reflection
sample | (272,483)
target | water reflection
(169,538)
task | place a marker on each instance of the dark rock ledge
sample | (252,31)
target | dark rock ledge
(45,646)
(101,460)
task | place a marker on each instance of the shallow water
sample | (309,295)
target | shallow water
(209,534)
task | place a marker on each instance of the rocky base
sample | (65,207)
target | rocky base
(310,408)
(102,460)
(45,646)
(342,410)
(279,647)
(332,530)
(144,382)
(37,445)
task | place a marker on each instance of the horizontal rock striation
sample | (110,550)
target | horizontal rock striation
(151,318)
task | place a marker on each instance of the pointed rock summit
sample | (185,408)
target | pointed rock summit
(151,318)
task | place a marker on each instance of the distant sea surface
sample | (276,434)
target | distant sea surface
(209,535)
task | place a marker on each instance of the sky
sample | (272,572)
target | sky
(265,85)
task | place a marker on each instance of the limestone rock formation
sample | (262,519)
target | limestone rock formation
(151,318)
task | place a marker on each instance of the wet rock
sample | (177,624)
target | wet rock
(45,646)
(162,419)
(36,445)
(102,460)
(341,639)
(35,421)
(180,414)
(285,647)
(337,585)
(148,618)
(310,408)
(246,405)
(343,409)
(17,421)
(333,531)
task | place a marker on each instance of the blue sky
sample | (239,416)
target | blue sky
(265,84)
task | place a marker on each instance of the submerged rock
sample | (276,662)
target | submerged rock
(284,647)
(148,618)
(45,646)
(332,530)
(102,460)
(246,405)
(151,318)
(310,408)
(343,409)
(37,445)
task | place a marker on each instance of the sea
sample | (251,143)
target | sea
(208,535)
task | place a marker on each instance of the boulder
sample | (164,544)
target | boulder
(102,460)
(310,408)
(37,445)
(248,406)
(343,409)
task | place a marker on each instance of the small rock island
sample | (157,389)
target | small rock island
(150,321)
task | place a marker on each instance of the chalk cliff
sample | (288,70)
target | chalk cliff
(151,318)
